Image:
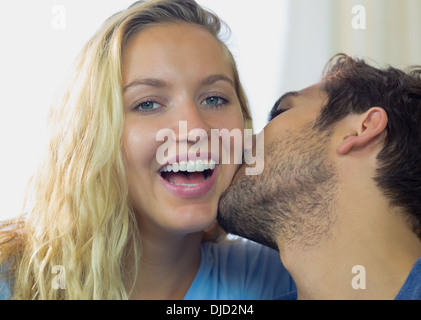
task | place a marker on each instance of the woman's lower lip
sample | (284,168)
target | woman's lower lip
(191,191)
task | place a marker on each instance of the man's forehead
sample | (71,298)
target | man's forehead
(313,91)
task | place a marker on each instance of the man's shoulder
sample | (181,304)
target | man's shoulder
(411,290)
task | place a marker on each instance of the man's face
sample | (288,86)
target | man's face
(291,200)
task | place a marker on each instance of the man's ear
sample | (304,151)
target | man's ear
(366,128)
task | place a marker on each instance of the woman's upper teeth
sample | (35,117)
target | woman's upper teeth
(190,166)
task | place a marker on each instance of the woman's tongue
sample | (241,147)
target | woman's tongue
(179,178)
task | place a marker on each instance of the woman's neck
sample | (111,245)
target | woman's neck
(167,267)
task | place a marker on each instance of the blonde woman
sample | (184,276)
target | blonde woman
(108,216)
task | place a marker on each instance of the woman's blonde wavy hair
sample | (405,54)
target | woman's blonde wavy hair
(81,218)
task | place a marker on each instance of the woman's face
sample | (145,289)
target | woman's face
(176,77)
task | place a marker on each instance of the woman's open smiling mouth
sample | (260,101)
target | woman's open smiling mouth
(193,178)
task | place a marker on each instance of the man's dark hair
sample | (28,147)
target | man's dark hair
(353,87)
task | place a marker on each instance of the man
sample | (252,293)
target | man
(340,194)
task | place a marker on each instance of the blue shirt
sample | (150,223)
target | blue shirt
(4,290)
(231,270)
(239,270)
(4,285)
(411,289)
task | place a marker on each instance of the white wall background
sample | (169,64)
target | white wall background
(279,45)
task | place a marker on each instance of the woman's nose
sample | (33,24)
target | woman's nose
(190,123)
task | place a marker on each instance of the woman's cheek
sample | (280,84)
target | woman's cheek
(139,145)
(232,144)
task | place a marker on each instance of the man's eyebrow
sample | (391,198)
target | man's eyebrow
(287,95)
(284,97)
(153,82)
(162,84)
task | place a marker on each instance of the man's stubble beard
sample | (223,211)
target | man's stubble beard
(292,201)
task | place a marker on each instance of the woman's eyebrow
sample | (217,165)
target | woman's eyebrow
(214,78)
(153,82)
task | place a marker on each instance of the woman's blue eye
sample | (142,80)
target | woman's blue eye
(215,101)
(146,106)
